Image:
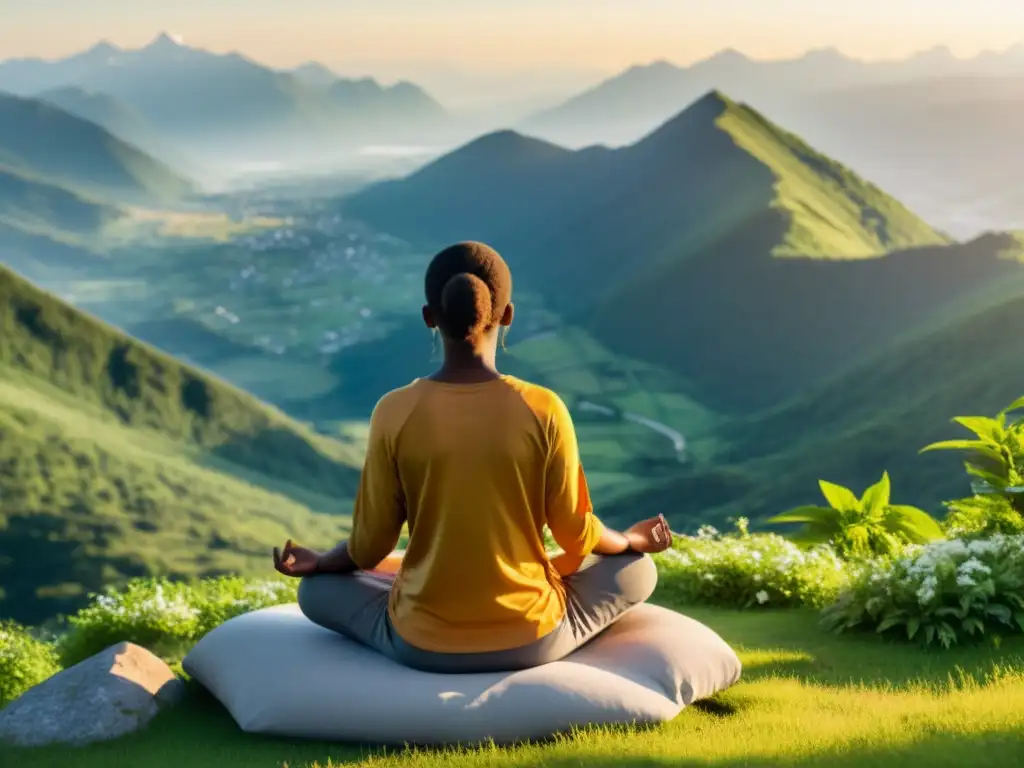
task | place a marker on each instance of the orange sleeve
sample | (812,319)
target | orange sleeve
(569,509)
(380,505)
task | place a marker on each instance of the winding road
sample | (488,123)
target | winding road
(676,437)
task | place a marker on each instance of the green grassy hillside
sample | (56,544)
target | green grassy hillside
(118,460)
(38,139)
(848,428)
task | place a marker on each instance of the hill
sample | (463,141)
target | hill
(35,206)
(118,460)
(40,140)
(949,145)
(873,416)
(203,101)
(107,112)
(699,233)
(625,106)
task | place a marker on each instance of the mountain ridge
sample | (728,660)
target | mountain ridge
(717,212)
(40,139)
(117,460)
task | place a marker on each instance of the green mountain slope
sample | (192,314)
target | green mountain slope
(742,258)
(35,206)
(104,110)
(118,460)
(40,140)
(874,416)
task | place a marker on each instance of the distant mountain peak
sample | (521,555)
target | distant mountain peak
(825,53)
(935,53)
(104,48)
(166,41)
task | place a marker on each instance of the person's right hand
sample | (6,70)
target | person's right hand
(650,535)
(295,561)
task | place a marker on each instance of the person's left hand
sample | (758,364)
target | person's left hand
(296,561)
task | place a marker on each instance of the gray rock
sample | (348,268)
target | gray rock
(115,692)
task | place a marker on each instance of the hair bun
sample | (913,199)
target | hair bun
(466,306)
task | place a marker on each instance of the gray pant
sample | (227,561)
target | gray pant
(603,589)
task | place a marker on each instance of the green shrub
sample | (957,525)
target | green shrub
(940,593)
(25,661)
(982,516)
(742,570)
(995,460)
(166,617)
(864,527)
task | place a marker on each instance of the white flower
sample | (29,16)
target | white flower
(762,597)
(964,580)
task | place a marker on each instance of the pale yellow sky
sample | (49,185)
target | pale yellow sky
(504,35)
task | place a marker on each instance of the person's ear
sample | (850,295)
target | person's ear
(508,315)
(428,317)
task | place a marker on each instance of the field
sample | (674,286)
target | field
(806,699)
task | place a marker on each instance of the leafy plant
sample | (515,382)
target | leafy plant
(982,516)
(743,570)
(166,617)
(25,661)
(995,459)
(940,594)
(862,527)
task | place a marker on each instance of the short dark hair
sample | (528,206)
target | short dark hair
(468,286)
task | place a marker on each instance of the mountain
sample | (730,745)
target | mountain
(949,144)
(745,261)
(40,140)
(230,103)
(848,428)
(624,107)
(105,111)
(117,460)
(27,77)
(315,74)
(36,206)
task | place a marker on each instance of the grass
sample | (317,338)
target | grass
(807,698)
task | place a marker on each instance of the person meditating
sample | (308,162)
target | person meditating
(477,463)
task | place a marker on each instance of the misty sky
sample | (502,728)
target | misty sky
(508,35)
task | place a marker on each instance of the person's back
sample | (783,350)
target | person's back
(477,464)
(480,469)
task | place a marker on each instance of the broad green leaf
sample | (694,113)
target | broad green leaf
(972,625)
(912,626)
(889,623)
(989,430)
(1019,616)
(806,514)
(914,524)
(876,497)
(839,497)
(1001,612)
(1016,405)
(929,634)
(975,446)
(947,635)
(816,531)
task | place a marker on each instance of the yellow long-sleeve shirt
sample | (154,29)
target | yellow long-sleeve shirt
(476,470)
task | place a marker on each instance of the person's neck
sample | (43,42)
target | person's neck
(466,363)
